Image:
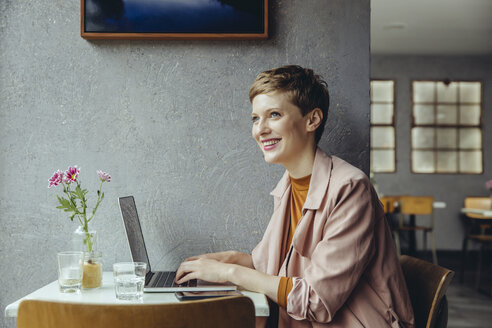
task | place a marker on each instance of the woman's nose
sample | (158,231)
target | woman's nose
(263,127)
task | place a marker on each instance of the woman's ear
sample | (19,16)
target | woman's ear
(314,119)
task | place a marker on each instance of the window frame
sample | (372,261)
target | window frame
(392,124)
(435,126)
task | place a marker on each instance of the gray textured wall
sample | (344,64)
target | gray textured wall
(169,120)
(449,188)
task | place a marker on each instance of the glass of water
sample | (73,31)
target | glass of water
(129,279)
(70,271)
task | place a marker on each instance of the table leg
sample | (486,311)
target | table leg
(412,243)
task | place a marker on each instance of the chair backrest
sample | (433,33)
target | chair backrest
(418,205)
(389,203)
(427,284)
(479,203)
(219,312)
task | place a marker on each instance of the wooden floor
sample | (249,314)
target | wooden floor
(467,307)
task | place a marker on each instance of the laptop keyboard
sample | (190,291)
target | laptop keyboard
(166,279)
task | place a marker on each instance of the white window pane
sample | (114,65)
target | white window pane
(447,138)
(423,161)
(447,161)
(423,114)
(470,138)
(470,114)
(382,137)
(423,91)
(382,91)
(382,160)
(471,162)
(382,113)
(422,137)
(447,114)
(447,93)
(470,92)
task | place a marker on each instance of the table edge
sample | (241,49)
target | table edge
(262,310)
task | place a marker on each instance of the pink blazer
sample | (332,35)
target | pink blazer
(342,259)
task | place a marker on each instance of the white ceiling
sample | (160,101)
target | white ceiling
(431,27)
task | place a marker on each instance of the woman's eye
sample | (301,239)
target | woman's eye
(254,119)
(275,114)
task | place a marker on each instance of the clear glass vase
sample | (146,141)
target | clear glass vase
(92,275)
(84,241)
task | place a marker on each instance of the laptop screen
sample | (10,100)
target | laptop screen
(134,230)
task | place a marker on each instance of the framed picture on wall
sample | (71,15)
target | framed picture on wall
(174,19)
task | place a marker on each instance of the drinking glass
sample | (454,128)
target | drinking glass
(70,271)
(129,280)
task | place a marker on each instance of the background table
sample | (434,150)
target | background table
(105,295)
(487,214)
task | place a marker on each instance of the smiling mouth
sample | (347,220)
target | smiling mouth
(270,143)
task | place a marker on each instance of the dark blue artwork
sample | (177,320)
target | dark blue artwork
(174,16)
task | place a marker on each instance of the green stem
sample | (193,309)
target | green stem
(88,239)
(99,199)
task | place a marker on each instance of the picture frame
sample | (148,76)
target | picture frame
(174,19)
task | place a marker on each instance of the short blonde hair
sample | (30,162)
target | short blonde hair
(306,89)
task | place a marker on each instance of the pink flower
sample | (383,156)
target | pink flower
(105,177)
(71,174)
(56,179)
(488,185)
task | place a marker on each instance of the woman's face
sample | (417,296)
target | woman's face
(280,129)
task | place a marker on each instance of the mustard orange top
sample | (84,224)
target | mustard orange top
(298,195)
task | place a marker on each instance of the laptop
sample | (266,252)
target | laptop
(160,281)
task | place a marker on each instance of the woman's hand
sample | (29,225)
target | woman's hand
(204,267)
(208,267)
(231,257)
(224,257)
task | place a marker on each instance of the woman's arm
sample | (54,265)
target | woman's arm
(255,281)
(340,258)
(243,276)
(232,257)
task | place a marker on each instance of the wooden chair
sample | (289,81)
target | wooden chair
(427,284)
(219,312)
(390,210)
(389,203)
(413,206)
(477,229)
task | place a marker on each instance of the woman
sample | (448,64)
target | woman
(327,257)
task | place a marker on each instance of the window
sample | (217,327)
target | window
(382,126)
(446,127)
